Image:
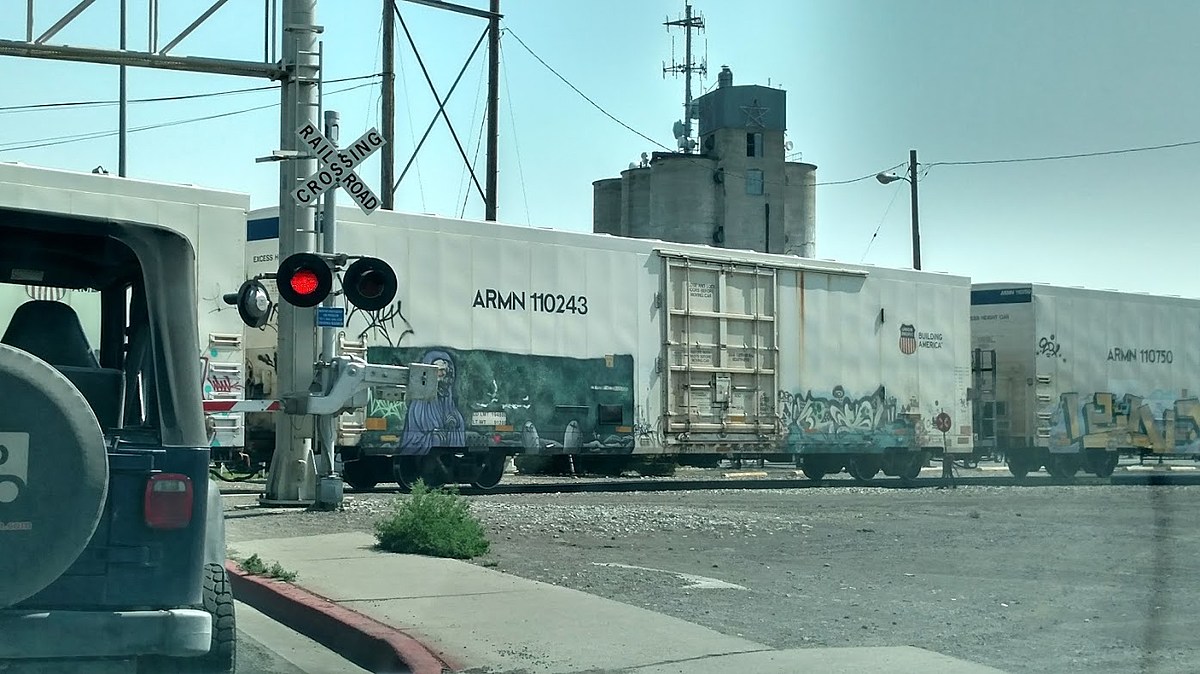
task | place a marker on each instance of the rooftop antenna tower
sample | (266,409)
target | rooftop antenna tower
(688,22)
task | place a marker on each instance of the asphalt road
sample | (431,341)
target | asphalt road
(266,647)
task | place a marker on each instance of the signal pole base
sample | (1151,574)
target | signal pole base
(330,491)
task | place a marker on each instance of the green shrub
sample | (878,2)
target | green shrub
(432,522)
(256,566)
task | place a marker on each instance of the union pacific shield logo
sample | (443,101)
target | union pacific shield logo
(908,340)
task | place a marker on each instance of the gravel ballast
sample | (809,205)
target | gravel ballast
(1046,579)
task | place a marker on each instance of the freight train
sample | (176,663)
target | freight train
(216,224)
(608,350)
(1072,378)
(605,349)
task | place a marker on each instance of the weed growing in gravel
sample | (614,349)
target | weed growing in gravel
(256,566)
(432,522)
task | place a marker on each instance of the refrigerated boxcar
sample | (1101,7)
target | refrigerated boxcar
(215,227)
(1070,378)
(561,343)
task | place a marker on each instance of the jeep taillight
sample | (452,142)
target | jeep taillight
(168,501)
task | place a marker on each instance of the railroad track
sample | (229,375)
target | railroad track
(731,484)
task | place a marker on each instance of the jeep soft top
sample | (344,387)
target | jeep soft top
(112,539)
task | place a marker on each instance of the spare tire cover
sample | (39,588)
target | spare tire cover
(53,474)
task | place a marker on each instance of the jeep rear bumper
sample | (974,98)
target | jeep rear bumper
(91,634)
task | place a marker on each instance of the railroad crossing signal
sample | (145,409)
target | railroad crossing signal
(942,422)
(306,279)
(337,167)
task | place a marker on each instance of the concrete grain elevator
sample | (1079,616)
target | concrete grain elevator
(733,188)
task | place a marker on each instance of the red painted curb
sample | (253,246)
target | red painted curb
(362,640)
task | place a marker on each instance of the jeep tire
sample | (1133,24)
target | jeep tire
(53,477)
(222,653)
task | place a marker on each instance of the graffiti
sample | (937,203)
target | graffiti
(493,400)
(223,385)
(1105,421)
(1049,347)
(646,435)
(436,422)
(837,413)
(260,380)
(381,324)
(387,409)
(875,420)
(531,403)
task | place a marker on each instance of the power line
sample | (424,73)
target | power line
(1080,155)
(512,118)
(160,99)
(585,96)
(861,178)
(895,193)
(464,185)
(648,138)
(63,140)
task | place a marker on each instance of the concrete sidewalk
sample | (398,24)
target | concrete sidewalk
(487,621)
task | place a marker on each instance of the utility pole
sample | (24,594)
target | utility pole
(329,493)
(122,106)
(388,164)
(688,23)
(493,112)
(916,227)
(292,480)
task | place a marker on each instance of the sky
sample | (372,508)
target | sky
(867,81)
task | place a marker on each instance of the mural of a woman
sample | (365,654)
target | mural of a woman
(436,422)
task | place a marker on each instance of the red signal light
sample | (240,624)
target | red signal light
(305,282)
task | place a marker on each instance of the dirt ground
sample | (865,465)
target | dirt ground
(1035,579)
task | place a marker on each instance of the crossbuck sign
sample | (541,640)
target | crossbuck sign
(337,168)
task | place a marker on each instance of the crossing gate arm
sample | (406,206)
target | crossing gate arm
(233,406)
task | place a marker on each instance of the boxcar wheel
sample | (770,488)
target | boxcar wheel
(814,467)
(491,471)
(1017,467)
(360,475)
(864,467)
(916,462)
(406,470)
(812,472)
(1063,466)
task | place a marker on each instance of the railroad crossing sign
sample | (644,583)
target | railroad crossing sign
(337,168)
(942,422)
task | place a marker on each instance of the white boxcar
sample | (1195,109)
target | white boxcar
(215,223)
(564,343)
(1070,378)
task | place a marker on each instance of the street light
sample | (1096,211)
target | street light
(885,178)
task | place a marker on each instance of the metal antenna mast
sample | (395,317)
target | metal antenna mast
(688,22)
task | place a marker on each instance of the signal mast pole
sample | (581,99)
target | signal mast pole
(292,480)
